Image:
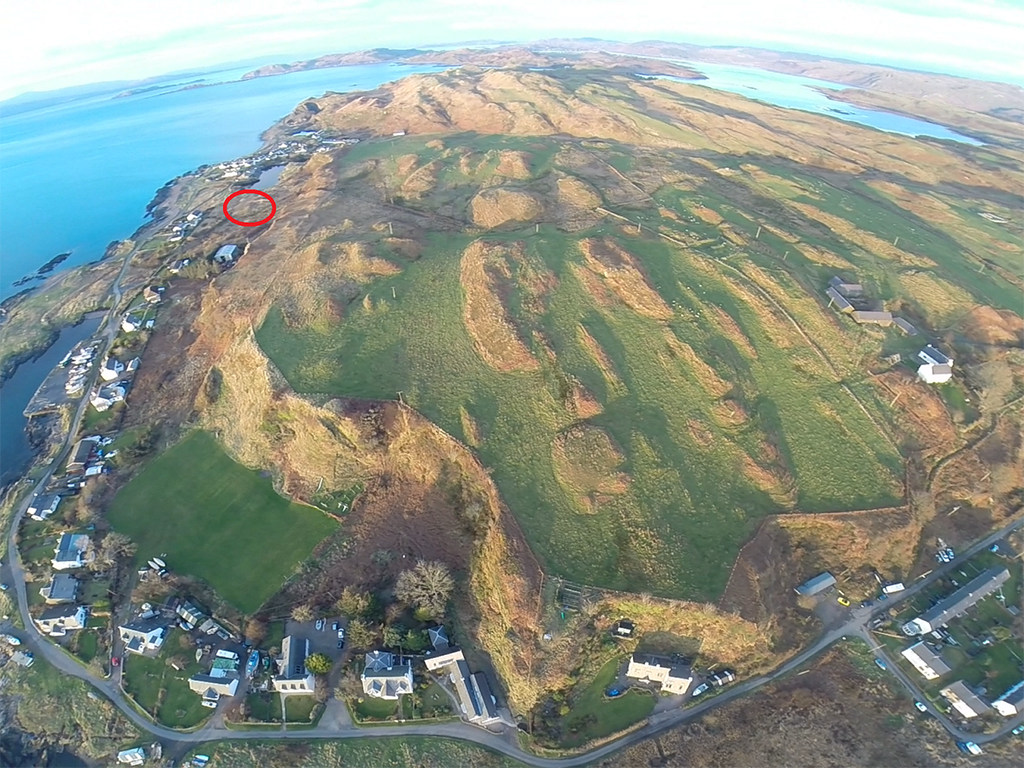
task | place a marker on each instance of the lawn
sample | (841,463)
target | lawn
(86,644)
(691,492)
(162,690)
(375,709)
(264,706)
(210,517)
(593,716)
(299,708)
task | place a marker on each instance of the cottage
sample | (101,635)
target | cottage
(841,302)
(474,695)
(79,457)
(673,674)
(964,700)
(385,677)
(928,663)
(142,635)
(904,326)
(61,619)
(931,356)
(151,293)
(1012,702)
(292,675)
(63,588)
(957,603)
(845,288)
(226,254)
(130,324)
(819,583)
(211,687)
(935,374)
(111,369)
(872,318)
(623,628)
(72,551)
(43,506)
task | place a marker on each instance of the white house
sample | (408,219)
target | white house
(135,756)
(292,675)
(111,369)
(71,551)
(931,356)
(43,506)
(673,675)
(384,677)
(930,373)
(142,635)
(61,619)
(1011,702)
(964,700)
(928,663)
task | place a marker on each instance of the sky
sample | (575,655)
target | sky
(59,43)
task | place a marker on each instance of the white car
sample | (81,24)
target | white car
(920,707)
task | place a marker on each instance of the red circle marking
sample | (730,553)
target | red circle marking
(233,195)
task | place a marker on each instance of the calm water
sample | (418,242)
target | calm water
(796,92)
(15,452)
(78,175)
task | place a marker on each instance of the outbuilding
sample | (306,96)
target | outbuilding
(819,583)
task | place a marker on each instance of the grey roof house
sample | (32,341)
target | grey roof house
(63,588)
(819,583)
(43,506)
(945,611)
(61,619)
(141,635)
(385,677)
(840,301)
(930,664)
(964,700)
(292,675)
(1011,702)
(71,551)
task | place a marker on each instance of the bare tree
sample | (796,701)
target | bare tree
(302,613)
(427,585)
(350,686)
(113,547)
(255,631)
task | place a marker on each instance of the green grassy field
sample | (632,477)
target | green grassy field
(388,752)
(162,690)
(212,518)
(265,707)
(298,708)
(594,716)
(688,510)
(375,709)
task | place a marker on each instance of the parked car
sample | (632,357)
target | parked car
(969,747)
(881,663)
(866,603)
(920,706)
(334,626)
(115,661)
(341,644)
(4,587)
(843,601)
(700,689)
(1018,730)
(341,634)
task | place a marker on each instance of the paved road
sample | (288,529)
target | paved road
(335,727)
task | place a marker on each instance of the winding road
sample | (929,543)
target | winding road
(334,727)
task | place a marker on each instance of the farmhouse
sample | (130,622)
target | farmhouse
(674,675)
(945,611)
(63,588)
(43,506)
(935,374)
(72,551)
(819,583)
(212,686)
(964,700)
(841,302)
(384,677)
(79,456)
(142,635)
(904,326)
(61,619)
(843,287)
(925,661)
(931,356)
(1011,702)
(292,675)
(474,694)
(226,254)
(866,317)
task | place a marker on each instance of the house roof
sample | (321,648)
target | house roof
(676,667)
(62,587)
(82,452)
(377,661)
(438,636)
(904,325)
(58,612)
(841,302)
(224,686)
(927,657)
(839,284)
(226,250)
(69,547)
(977,588)
(959,691)
(49,502)
(933,355)
(940,370)
(484,689)
(293,657)
(1014,695)
(464,689)
(817,584)
(866,316)
(143,626)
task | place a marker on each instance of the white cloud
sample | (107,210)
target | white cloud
(66,42)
